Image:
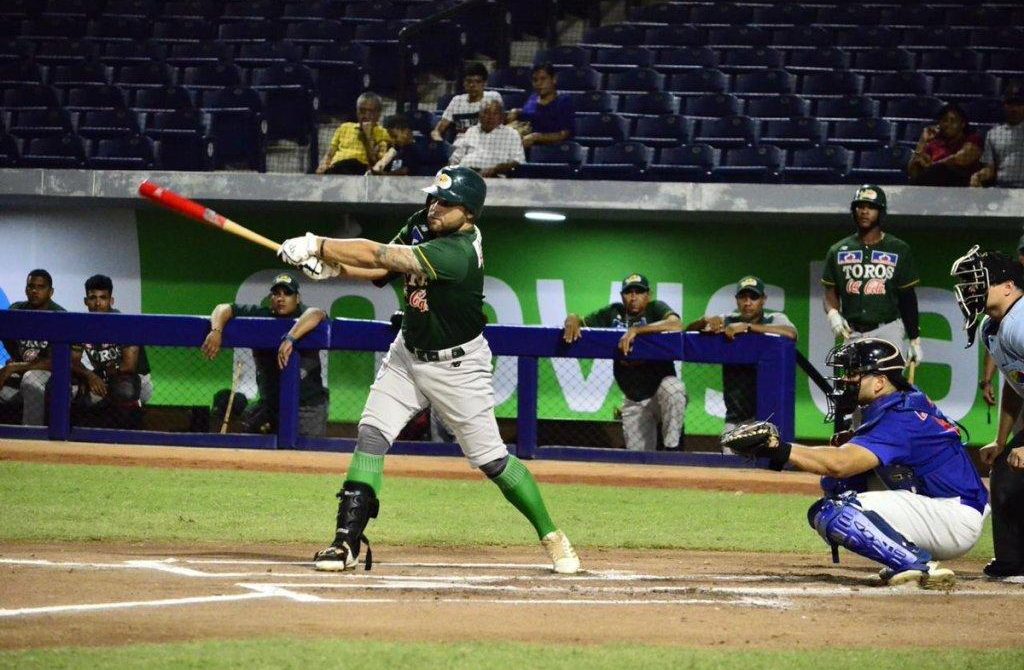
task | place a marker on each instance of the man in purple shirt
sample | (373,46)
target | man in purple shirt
(551,117)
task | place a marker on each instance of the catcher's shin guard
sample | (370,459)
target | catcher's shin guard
(357,505)
(842,522)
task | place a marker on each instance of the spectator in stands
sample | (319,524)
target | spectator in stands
(547,117)
(739,382)
(948,153)
(1003,158)
(402,158)
(113,376)
(285,302)
(27,373)
(463,111)
(357,145)
(654,394)
(490,148)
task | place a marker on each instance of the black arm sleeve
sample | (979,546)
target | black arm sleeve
(908,312)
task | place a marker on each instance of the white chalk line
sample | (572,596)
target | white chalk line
(93,607)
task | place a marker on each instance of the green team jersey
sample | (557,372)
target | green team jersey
(268,375)
(26,351)
(106,359)
(444,306)
(867,278)
(638,379)
(739,382)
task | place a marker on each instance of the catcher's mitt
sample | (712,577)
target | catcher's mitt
(758,440)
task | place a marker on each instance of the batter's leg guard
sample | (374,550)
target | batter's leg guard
(843,523)
(358,504)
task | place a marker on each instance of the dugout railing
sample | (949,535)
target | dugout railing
(774,358)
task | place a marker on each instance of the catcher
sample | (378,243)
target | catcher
(932,504)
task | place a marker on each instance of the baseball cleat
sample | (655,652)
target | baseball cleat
(563,557)
(1003,570)
(335,559)
(935,577)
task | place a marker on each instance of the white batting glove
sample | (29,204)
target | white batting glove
(840,328)
(298,250)
(916,353)
(317,270)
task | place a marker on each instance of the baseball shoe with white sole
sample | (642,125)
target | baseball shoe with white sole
(564,559)
(935,577)
(335,559)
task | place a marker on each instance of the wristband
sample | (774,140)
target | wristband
(779,456)
(984,382)
(291,338)
(320,253)
(214,329)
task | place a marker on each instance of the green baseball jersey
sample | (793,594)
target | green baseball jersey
(868,277)
(268,375)
(739,382)
(444,305)
(105,359)
(26,351)
(638,379)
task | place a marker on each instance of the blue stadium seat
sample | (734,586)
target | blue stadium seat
(196,54)
(19,10)
(350,53)
(649,103)
(250,9)
(15,49)
(861,133)
(1007,63)
(162,99)
(712,105)
(150,75)
(881,166)
(373,10)
(239,138)
(10,154)
(191,9)
(803,37)
(124,153)
(579,79)
(691,163)
(622,161)
(614,59)
(614,34)
(133,8)
(636,80)
(738,36)
(211,77)
(552,161)
(756,165)
(680,59)
(721,14)
(314,11)
(764,82)
(120,29)
(173,30)
(822,59)
(517,78)
(817,165)
(996,38)
(421,121)
(883,59)
(29,96)
(265,54)
(933,37)
(984,111)
(785,14)
(289,101)
(117,54)
(863,37)
(49,27)
(696,82)
(563,56)
(760,58)
(666,130)
(662,12)
(188,152)
(53,152)
(431,156)
(514,99)
(667,37)
(777,107)
(966,85)
(980,15)
(40,122)
(66,52)
(77,9)
(945,61)
(308,33)
(916,108)
(831,84)
(20,73)
(105,123)
(846,14)
(911,16)
(849,107)
(798,132)
(593,101)
(80,74)
(729,131)
(600,129)
(899,85)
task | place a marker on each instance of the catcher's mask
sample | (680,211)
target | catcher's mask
(850,362)
(975,272)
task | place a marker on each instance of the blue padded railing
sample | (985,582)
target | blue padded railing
(775,358)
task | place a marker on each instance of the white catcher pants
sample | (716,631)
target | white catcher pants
(942,526)
(459,391)
(667,407)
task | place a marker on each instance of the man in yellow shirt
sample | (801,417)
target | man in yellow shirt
(357,145)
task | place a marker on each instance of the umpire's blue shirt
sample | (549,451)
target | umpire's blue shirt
(906,428)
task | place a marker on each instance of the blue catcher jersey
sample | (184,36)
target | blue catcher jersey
(908,429)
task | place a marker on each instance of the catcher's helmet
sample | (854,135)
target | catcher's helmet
(871,195)
(975,272)
(870,356)
(461,186)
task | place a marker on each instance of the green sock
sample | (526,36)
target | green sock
(520,489)
(366,469)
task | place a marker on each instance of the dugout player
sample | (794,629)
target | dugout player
(989,286)
(284,302)
(933,503)
(653,393)
(440,358)
(869,279)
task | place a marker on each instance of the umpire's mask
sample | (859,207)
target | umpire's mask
(975,272)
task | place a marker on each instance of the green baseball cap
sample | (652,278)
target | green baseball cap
(750,284)
(286,280)
(635,281)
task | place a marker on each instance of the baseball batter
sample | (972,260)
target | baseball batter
(935,503)
(869,279)
(440,358)
(992,284)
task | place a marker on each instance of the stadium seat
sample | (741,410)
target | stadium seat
(15,49)
(80,74)
(50,27)
(133,8)
(680,59)
(239,138)
(946,61)
(265,54)
(911,15)
(760,58)
(251,10)
(564,56)
(119,29)
(649,103)
(432,156)
(1007,63)
(979,15)
(162,99)
(514,99)
(9,152)
(666,130)
(66,52)
(77,9)
(339,86)
(662,12)
(671,37)
(849,107)
(756,165)
(191,9)
(696,82)
(196,54)
(871,37)
(983,111)
(785,14)
(124,153)
(861,133)
(173,30)
(289,101)
(729,131)
(421,121)
(593,101)
(798,132)
(190,152)
(150,75)
(178,123)
(312,12)
(846,15)
(899,85)
(106,123)
(40,122)
(309,33)
(516,78)
(933,37)
(212,76)
(614,59)
(53,152)
(738,36)
(636,80)
(350,53)
(29,96)
(824,59)
(600,130)
(614,34)
(721,14)
(764,82)
(552,161)
(117,54)
(372,10)
(883,59)
(817,165)
(19,73)
(831,84)
(803,37)
(777,107)
(621,161)
(881,166)
(965,86)
(712,105)
(691,163)
(579,79)
(916,108)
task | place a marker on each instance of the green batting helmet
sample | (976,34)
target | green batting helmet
(871,195)
(461,186)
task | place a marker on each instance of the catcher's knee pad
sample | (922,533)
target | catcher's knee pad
(494,468)
(357,505)
(370,440)
(842,522)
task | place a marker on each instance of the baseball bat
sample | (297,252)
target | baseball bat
(231,398)
(165,197)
